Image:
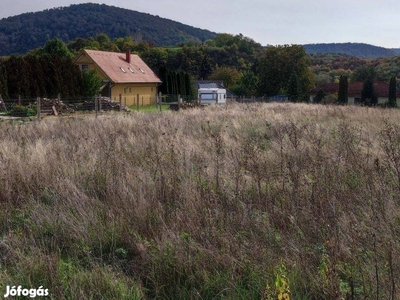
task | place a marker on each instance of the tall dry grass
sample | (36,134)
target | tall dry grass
(238,202)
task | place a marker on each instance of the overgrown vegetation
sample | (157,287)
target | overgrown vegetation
(23,111)
(240,202)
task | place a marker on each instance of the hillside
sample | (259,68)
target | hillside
(24,32)
(359,50)
(396,50)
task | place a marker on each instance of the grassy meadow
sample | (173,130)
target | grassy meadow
(260,201)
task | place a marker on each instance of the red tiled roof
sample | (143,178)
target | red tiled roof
(354,89)
(329,88)
(119,70)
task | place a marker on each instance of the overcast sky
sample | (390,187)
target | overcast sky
(268,22)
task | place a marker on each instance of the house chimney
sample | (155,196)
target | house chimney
(128,56)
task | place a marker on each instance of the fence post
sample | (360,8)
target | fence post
(179,102)
(38,108)
(96,108)
(137,102)
(99,99)
(2,103)
(120,101)
(159,106)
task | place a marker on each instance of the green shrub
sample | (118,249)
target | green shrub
(23,111)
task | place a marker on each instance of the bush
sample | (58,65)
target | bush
(23,111)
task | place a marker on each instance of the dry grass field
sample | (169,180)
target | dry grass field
(272,201)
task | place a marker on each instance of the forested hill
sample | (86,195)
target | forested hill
(24,32)
(353,49)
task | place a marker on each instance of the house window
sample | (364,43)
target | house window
(84,68)
(152,88)
(130,90)
(208,96)
(122,69)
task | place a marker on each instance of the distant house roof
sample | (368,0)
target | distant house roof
(354,89)
(210,84)
(329,88)
(122,67)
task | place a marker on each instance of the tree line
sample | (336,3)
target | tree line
(245,67)
(46,72)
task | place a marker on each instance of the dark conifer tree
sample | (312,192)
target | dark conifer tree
(162,74)
(188,85)
(3,81)
(293,91)
(343,90)
(368,96)
(392,92)
(320,96)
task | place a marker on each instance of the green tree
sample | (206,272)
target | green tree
(105,43)
(17,77)
(293,90)
(364,73)
(91,83)
(392,92)
(320,96)
(277,64)
(229,75)
(247,85)
(57,47)
(77,45)
(343,90)
(125,43)
(155,57)
(323,77)
(249,82)
(3,81)
(189,85)
(207,66)
(368,96)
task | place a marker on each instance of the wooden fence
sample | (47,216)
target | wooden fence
(42,107)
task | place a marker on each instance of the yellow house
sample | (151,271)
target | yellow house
(126,76)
